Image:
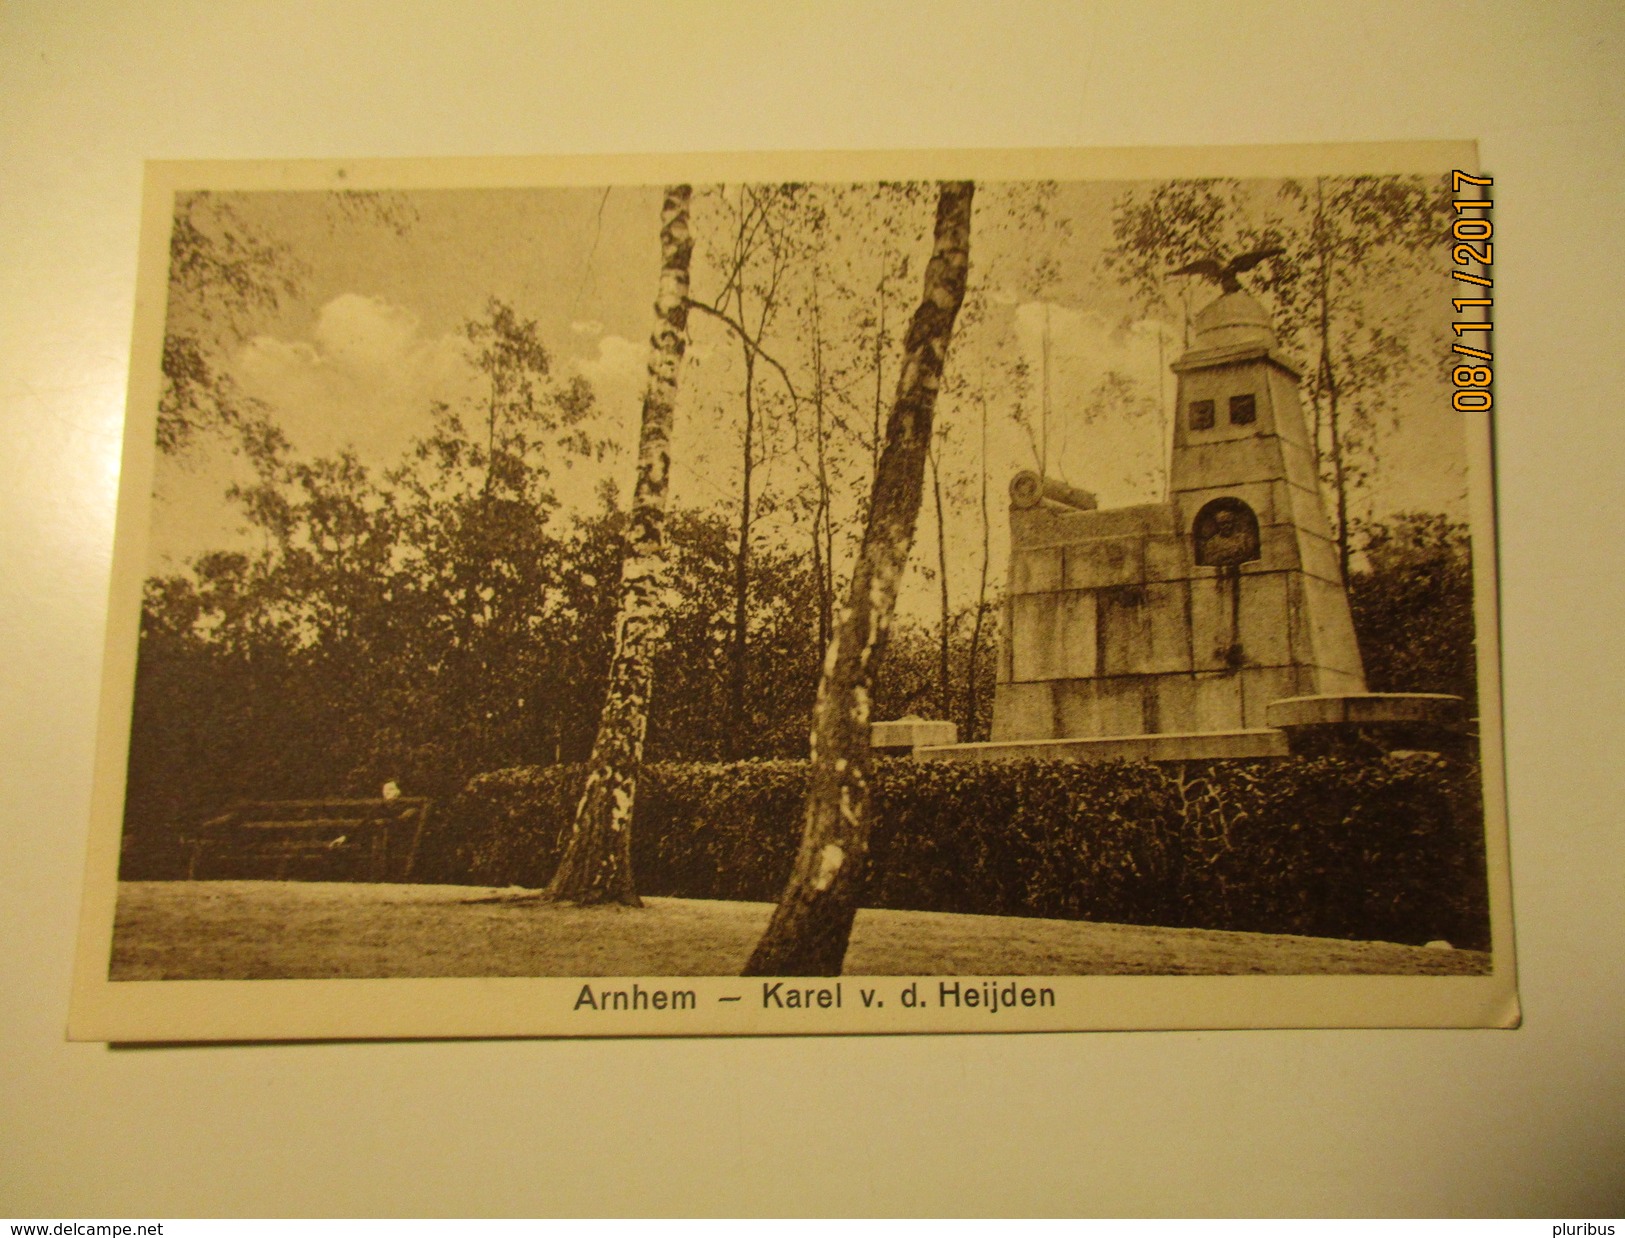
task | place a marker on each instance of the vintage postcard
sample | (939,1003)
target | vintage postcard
(870,593)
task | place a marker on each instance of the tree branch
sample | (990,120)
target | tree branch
(756,348)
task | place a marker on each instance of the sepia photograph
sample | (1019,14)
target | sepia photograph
(847,609)
(997,591)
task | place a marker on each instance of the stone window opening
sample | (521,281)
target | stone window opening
(1243,410)
(1226,534)
(1201,414)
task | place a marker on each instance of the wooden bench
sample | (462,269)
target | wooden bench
(313,840)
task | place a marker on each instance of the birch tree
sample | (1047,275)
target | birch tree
(597,863)
(810,928)
(754,267)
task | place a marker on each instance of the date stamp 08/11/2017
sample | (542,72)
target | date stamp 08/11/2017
(1472,249)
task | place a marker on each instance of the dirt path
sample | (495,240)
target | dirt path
(208,930)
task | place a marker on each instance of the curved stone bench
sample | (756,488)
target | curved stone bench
(1365,708)
(1383,720)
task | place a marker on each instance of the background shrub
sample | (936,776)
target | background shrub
(1368,849)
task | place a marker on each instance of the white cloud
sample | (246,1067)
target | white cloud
(587,326)
(617,372)
(365,333)
(618,358)
(366,377)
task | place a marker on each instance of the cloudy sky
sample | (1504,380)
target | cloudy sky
(372,340)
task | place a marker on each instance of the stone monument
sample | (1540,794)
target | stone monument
(1166,631)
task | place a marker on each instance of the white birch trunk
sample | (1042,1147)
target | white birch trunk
(808,933)
(597,863)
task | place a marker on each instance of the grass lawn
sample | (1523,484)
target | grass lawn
(217,930)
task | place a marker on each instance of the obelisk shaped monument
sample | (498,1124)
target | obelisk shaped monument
(1185,617)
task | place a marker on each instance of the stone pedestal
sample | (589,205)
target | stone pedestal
(904,735)
(1203,746)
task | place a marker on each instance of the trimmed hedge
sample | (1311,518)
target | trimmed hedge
(1368,849)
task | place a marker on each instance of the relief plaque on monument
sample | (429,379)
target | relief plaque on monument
(799,593)
(1225,534)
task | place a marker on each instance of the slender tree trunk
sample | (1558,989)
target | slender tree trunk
(490,437)
(738,646)
(1328,383)
(944,704)
(1043,404)
(880,357)
(597,862)
(972,683)
(823,569)
(1317,428)
(1339,477)
(818,577)
(829,563)
(808,933)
